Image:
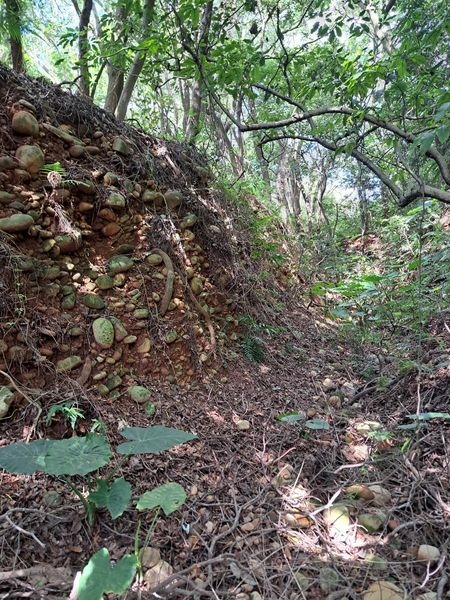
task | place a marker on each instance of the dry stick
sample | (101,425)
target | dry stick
(28,399)
(168,293)
(24,531)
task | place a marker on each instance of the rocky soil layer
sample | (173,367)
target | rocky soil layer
(114,254)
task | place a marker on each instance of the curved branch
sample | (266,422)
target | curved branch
(419,191)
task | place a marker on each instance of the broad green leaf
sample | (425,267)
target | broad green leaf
(291,417)
(169,496)
(443,133)
(115,497)
(442,110)
(100,577)
(73,456)
(24,458)
(425,140)
(151,440)
(77,455)
(317,424)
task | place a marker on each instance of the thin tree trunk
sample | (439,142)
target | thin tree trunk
(115,86)
(14,11)
(136,65)
(115,74)
(83,46)
(193,125)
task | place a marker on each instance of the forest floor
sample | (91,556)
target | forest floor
(338,504)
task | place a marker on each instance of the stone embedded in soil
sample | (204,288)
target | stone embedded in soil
(371,522)
(103,332)
(197,285)
(428,553)
(85,207)
(139,394)
(93,301)
(158,573)
(120,332)
(383,590)
(141,313)
(77,151)
(124,249)
(113,382)
(69,242)
(188,221)
(6,397)
(171,337)
(337,518)
(110,178)
(328,384)
(16,223)
(145,346)
(173,199)
(69,363)
(6,163)
(149,557)
(111,229)
(129,339)
(6,197)
(243,425)
(30,158)
(104,282)
(25,123)
(69,301)
(382,496)
(115,201)
(151,197)
(120,264)
(121,147)
(154,259)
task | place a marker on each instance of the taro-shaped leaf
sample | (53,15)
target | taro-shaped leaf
(317,424)
(169,497)
(24,458)
(77,455)
(100,577)
(115,497)
(74,456)
(151,440)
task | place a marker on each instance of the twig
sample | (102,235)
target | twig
(24,531)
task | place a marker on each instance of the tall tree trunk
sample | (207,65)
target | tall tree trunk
(83,46)
(14,12)
(136,65)
(115,74)
(193,125)
(115,86)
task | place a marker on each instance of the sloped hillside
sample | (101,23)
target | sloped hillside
(131,295)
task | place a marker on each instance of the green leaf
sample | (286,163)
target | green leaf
(115,497)
(169,496)
(429,416)
(425,140)
(291,417)
(100,577)
(441,111)
(74,456)
(317,424)
(443,133)
(24,458)
(151,440)
(77,455)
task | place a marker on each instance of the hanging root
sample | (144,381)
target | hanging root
(168,293)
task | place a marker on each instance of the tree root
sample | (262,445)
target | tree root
(168,293)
